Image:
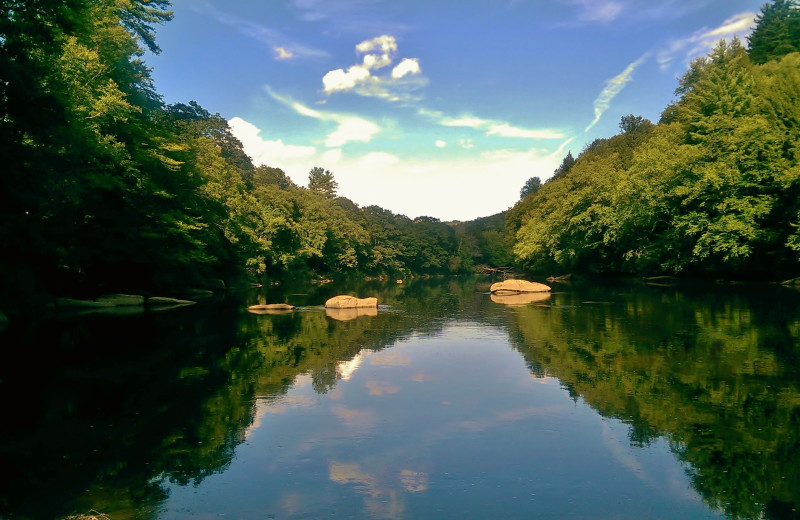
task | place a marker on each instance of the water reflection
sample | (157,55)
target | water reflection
(617,400)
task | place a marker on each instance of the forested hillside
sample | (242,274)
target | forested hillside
(713,188)
(106,188)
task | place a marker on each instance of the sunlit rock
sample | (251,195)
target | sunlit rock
(350,302)
(518,286)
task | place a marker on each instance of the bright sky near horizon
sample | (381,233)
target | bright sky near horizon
(428,107)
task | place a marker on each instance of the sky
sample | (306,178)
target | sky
(440,108)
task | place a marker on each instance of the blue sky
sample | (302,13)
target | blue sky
(441,108)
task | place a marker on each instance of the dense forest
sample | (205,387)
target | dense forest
(711,189)
(106,188)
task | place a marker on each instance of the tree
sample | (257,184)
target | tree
(631,123)
(322,181)
(566,165)
(532,185)
(777,31)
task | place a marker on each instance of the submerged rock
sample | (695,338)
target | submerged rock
(518,286)
(350,302)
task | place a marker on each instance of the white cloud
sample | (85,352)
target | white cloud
(466,144)
(281,53)
(440,144)
(360,78)
(387,44)
(613,87)
(493,127)
(506,130)
(338,79)
(406,67)
(599,10)
(703,40)
(274,38)
(411,186)
(262,151)
(349,128)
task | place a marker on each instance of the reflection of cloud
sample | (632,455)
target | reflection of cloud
(390,358)
(422,376)
(345,369)
(381,388)
(613,87)
(703,40)
(380,501)
(355,418)
(414,481)
(622,453)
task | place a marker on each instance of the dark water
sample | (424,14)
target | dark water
(603,401)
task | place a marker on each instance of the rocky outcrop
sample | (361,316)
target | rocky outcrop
(518,286)
(350,302)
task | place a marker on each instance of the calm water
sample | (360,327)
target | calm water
(601,401)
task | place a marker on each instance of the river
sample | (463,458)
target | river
(601,400)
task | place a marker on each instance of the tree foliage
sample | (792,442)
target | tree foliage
(712,188)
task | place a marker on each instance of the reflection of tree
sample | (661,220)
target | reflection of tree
(709,371)
(134,404)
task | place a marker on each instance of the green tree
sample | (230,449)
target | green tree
(777,31)
(532,185)
(322,181)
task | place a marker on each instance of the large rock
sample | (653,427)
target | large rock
(518,286)
(350,302)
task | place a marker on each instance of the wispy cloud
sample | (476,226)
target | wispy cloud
(703,40)
(613,87)
(599,10)
(362,79)
(350,16)
(491,126)
(349,128)
(282,45)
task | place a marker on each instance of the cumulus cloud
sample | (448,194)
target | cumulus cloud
(440,144)
(613,87)
(703,40)
(338,79)
(263,151)
(362,79)
(408,66)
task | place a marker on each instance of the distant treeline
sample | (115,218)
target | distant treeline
(106,188)
(714,187)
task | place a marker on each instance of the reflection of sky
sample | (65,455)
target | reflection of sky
(453,423)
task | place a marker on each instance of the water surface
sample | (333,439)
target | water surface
(601,401)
